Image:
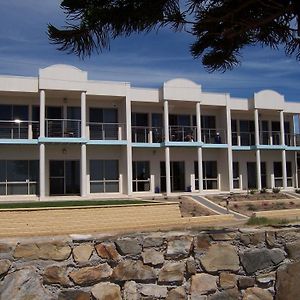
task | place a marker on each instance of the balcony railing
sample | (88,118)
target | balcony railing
(292,139)
(106,131)
(213,136)
(19,129)
(146,134)
(63,128)
(183,133)
(243,138)
(270,138)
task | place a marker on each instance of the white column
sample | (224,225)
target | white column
(42,171)
(256,123)
(42,113)
(258,169)
(83,114)
(83,183)
(284,169)
(296,170)
(229,142)
(129,142)
(200,171)
(282,128)
(258,160)
(198,118)
(168,170)
(166,120)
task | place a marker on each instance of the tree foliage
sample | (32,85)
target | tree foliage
(221,29)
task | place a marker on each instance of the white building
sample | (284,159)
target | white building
(62,134)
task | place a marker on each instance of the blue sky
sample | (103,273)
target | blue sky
(144,60)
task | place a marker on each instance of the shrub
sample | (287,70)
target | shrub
(252,192)
(263,191)
(251,207)
(235,206)
(266,221)
(265,204)
(297,191)
(276,190)
(292,203)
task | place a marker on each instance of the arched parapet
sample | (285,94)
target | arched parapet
(268,99)
(181,89)
(62,77)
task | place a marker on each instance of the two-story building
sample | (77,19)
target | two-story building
(62,134)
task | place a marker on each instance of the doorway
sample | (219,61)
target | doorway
(64,177)
(251,174)
(177,176)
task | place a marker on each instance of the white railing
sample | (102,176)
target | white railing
(183,133)
(213,136)
(106,131)
(146,134)
(63,128)
(292,139)
(245,138)
(270,138)
(19,129)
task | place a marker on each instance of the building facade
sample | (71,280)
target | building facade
(62,134)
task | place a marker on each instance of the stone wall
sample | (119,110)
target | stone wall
(203,265)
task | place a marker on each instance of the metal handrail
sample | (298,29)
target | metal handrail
(106,131)
(183,133)
(146,134)
(270,137)
(213,136)
(63,128)
(17,129)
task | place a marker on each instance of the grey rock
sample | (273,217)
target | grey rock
(255,293)
(244,282)
(177,294)
(74,295)
(202,284)
(153,242)
(153,257)
(4,266)
(232,294)
(106,291)
(293,249)
(259,259)
(191,266)
(128,246)
(82,253)
(179,248)
(56,275)
(153,290)
(130,291)
(23,284)
(172,272)
(227,280)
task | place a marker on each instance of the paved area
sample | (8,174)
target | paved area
(217,208)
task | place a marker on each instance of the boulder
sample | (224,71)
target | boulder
(48,251)
(153,291)
(23,284)
(191,266)
(293,250)
(82,253)
(172,272)
(287,283)
(91,275)
(128,247)
(227,280)
(202,284)
(130,291)
(245,282)
(201,243)
(106,291)
(260,259)
(255,293)
(133,270)
(179,248)
(231,294)
(108,251)
(177,294)
(220,257)
(4,266)
(153,257)
(56,275)
(153,242)
(74,295)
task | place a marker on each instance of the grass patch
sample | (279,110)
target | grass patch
(266,221)
(69,203)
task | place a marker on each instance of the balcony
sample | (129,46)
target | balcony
(146,134)
(18,129)
(292,140)
(243,138)
(213,136)
(63,128)
(106,131)
(183,133)
(270,138)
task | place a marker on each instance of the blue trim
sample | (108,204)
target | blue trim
(244,148)
(62,140)
(19,141)
(146,145)
(107,142)
(292,148)
(182,144)
(219,146)
(271,147)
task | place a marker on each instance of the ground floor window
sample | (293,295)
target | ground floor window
(104,176)
(278,176)
(236,175)
(177,176)
(210,175)
(140,176)
(19,177)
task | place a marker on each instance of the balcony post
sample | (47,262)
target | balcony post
(200,170)
(42,113)
(198,119)
(282,137)
(166,120)
(256,124)
(83,114)
(168,170)
(296,170)
(83,183)
(42,170)
(257,142)
(229,143)
(284,174)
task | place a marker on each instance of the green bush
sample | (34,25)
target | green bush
(252,192)
(263,191)
(297,191)
(251,207)
(276,190)
(266,221)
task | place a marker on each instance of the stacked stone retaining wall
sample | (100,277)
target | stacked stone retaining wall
(198,265)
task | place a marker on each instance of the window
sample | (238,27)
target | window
(247,132)
(104,176)
(210,135)
(289,174)
(181,129)
(140,129)
(236,175)
(210,175)
(277,166)
(264,132)
(234,132)
(157,128)
(19,177)
(196,172)
(140,176)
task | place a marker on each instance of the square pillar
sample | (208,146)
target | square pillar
(200,170)
(256,124)
(83,183)
(284,174)
(168,170)
(258,169)
(42,165)
(282,134)
(42,113)
(198,119)
(229,142)
(166,120)
(83,114)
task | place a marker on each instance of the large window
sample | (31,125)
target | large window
(210,175)
(140,129)
(11,126)
(236,175)
(289,173)
(140,176)
(104,176)
(19,177)
(247,132)
(278,178)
